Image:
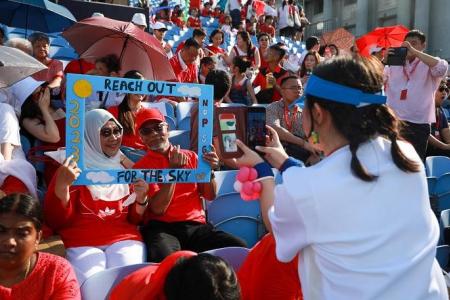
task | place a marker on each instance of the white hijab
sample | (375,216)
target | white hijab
(94,158)
(21,169)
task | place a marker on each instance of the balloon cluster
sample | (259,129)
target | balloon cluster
(246,185)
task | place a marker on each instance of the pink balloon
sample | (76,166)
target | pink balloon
(237,186)
(252,174)
(247,188)
(246,197)
(257,187)
(242,175)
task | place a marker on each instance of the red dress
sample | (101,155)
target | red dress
(52,278)
(88,222)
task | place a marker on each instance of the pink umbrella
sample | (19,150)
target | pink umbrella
(137,50)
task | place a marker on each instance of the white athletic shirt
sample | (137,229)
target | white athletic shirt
(359,240)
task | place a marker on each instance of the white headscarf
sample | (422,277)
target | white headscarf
(94,158)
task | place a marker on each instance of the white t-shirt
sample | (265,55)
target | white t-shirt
(359,240)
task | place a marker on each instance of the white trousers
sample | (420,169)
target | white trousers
(87,261)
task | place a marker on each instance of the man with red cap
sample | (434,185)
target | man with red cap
(175,219)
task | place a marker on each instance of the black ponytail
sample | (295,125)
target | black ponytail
(360,124)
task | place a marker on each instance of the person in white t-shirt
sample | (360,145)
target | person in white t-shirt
(361,218)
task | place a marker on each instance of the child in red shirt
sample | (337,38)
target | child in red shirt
(194,21)
(267,26)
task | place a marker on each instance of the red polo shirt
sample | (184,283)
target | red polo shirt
(185,73)
(260,80)
(186,204)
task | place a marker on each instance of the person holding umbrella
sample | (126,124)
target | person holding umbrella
(41,48)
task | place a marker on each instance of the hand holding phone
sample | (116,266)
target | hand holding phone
(256,127)
(397,56)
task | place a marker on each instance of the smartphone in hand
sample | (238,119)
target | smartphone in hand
(397,56)
(256,127)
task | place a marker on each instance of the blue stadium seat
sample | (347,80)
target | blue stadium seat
(441,194)
(180,137)
(444,224)
(230,213)
(442,255)
(235,256)
(437,165)
(183,113)
(100,285)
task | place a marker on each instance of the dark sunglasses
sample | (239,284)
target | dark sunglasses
(149,129)
(107,132)
(442,89)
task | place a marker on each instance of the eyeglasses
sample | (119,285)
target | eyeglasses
(443,89)
(150,129)
(107,132)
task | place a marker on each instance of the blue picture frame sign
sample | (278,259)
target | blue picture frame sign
(80,87)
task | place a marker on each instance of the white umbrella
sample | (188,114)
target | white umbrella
(16,65)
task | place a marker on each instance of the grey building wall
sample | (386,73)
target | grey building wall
(361,16)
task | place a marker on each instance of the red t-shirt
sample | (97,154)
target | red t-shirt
(263,277)
(269,29)
(261,81)
(188,75)
(129,140)
(52,165)
(186,204)
(194,22)
(55,69)
(214,50)
(85,222)
(51,278)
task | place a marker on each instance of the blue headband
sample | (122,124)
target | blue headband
(331,91)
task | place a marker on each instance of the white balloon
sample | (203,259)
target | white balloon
(237,186)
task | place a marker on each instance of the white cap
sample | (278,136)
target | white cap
(139,19)
(24,88)
(375,49)
(97,14)
(159,26)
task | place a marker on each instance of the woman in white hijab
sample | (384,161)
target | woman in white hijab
(97,223)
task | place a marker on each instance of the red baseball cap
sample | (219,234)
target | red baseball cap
(148,114)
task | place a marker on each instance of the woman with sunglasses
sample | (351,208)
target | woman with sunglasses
(361,218)
(26,273)
(439,139)
(97,223)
